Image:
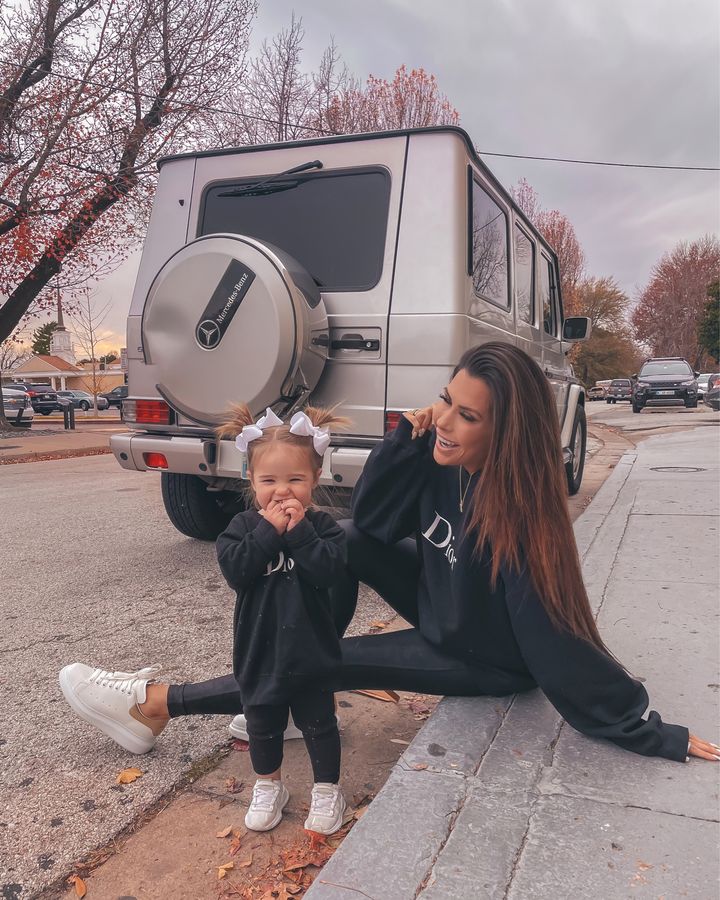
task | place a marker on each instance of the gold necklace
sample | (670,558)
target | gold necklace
(463,494)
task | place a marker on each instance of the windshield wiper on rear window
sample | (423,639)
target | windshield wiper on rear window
(252,188)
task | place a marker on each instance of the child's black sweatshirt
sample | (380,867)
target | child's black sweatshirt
(285,637)
(504,630)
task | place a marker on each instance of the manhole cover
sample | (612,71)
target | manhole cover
(676,469)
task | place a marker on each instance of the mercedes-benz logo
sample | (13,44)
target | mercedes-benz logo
(208,334)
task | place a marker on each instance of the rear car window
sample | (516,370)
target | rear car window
(332,224)
(671,367)
(621,382)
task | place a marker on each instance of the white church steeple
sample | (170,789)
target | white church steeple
(61,341)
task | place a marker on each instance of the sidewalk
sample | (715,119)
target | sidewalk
(44,441)
(499,798)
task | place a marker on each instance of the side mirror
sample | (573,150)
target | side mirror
(576,328)
(634,375)
(696,374)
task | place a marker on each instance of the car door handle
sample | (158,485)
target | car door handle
(355,344)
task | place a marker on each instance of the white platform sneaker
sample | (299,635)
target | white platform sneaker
(110,700)
(238,729)
(269,799)
(327,808)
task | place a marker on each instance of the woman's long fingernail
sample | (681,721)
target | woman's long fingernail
(717,758)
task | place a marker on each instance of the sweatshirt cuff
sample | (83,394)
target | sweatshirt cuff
(268,539)
(403,435)
(676,742)
(300,534)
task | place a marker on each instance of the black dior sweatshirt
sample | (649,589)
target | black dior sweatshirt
(284,634)
(404,492)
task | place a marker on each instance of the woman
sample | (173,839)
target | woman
(491,583)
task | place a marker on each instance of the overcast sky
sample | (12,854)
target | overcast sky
(612,80)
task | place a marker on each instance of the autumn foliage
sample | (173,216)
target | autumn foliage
(671,307)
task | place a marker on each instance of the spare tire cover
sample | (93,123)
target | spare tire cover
(230,319)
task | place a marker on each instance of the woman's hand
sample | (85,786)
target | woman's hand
(295,510)
(420,419)
(703,749)
(276,516)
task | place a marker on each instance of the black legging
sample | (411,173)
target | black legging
(399,660)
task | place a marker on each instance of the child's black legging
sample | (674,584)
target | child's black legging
(314,714)
(400,660)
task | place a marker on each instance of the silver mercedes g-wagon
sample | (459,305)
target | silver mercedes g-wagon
(352,270)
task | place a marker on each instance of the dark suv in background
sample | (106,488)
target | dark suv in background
(43,397)
(116,396)
(665,381)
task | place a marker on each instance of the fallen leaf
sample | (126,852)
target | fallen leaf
(233,786)
(399,741)
(224,869)
(420,766)
(245,863)
(643,866)
(518,752)
(378,624)
(385,696)
(234,846)
(226,832)
(242,746)
(127,776)
(80,887)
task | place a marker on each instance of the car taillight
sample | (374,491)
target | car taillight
(146,412)
(392,420)
(155,460)
(32,394)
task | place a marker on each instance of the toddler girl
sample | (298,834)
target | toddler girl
(281,557)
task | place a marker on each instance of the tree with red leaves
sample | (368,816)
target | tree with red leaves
(672,305)
(92,92)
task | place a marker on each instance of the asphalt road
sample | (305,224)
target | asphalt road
(93,571)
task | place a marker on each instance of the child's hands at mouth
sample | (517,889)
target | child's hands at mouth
(278,517)
(295,510)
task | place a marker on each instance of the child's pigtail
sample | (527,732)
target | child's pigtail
(238,417)
(324,417)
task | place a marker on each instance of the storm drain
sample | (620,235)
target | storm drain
(676,469)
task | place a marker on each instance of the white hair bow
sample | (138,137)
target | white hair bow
(251,432)
(300,424)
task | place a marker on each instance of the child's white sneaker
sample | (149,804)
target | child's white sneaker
(238,729)
(269,799)
(109,701)
(327,808)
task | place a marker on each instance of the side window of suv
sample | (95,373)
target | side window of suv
(548,297)
(524,276)
(488,241)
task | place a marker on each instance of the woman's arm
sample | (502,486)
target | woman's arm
(244,554)
(386,497)
(587,687)
(318,549)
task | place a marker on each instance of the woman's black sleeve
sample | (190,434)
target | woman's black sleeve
(588,688)
(318,550)
(385,501)
(244,555)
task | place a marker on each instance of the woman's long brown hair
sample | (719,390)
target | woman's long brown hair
(519,503)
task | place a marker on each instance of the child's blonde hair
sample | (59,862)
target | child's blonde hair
(320,416)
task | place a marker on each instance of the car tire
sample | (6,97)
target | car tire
(84,405)
(691,404)
(608,402)
(45,412)
(636,409)
(578,442)
(195,511)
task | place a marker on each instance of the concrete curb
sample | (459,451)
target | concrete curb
(461,767)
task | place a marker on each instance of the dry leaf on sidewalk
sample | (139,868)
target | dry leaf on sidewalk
(399,741)
(245,863)
(378,624)
(80,887)
(240,745)
(419,767)
(385,696)
(233,786)
(127,776)
(224,869)
(226,832)
(235,843)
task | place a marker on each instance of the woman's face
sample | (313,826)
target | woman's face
(463,423)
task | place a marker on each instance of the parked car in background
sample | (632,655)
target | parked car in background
(116,396)
(596,392)
(83,400)
(665,381)
(43,397)
(712,394)
(702,384)
(18,408)
(620,389)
